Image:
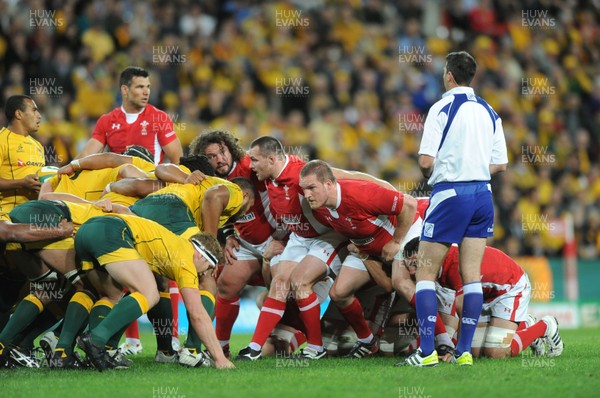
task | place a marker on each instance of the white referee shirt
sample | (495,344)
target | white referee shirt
(464,135)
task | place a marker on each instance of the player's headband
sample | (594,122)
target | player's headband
(211,258)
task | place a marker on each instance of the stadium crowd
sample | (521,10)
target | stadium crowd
(349,82)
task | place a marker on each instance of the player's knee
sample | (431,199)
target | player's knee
(228,288)
(339,294)
(497,342)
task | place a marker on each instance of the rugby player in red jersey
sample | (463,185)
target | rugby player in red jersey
(135,122)
(313,250)
(503,329)
(375,219)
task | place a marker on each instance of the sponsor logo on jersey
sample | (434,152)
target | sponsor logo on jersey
(291,218)
(469,321)
(432,318)
(20,163)
(116,126)
(349,220)
(428,229)
(37,164)
(247,218)
(395,203)
(20,148)
(170,134)
(362,242)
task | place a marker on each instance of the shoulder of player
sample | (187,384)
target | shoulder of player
(152,110)
(5,132)
(110,117)
(437,107)
(213,180)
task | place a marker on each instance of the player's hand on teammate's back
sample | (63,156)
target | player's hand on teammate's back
(274,248)
(66,169)
(195,178)
(104,204)
(389,250)
(66,228)
(32,182)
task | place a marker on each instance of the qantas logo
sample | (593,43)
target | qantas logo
(21,163)
(247,218)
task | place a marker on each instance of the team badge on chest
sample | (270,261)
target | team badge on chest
(144,124)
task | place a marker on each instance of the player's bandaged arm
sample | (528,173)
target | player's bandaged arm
(357,175)
(99,161)
(136,187)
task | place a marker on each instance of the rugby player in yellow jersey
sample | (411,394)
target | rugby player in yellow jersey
(10,277)
(89,184)
(134,154)
(21,155)
(163,313)
(133,248)
(60,256)
(186,209)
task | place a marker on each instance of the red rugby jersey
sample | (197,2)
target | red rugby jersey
(152,129)
(258,223)
(287,202)
(499,272)
(365,213)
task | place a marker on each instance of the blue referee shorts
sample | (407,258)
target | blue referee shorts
(459,210)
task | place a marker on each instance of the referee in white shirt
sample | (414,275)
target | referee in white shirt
(463,145)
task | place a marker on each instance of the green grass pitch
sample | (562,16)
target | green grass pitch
(574,374)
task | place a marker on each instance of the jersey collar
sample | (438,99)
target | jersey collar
(233,166)
(339,195)
(333,211)
(459,90)
(132,114)
(287,160)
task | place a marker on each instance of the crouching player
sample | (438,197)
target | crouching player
(133,248)
(375,219)
(503,329)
